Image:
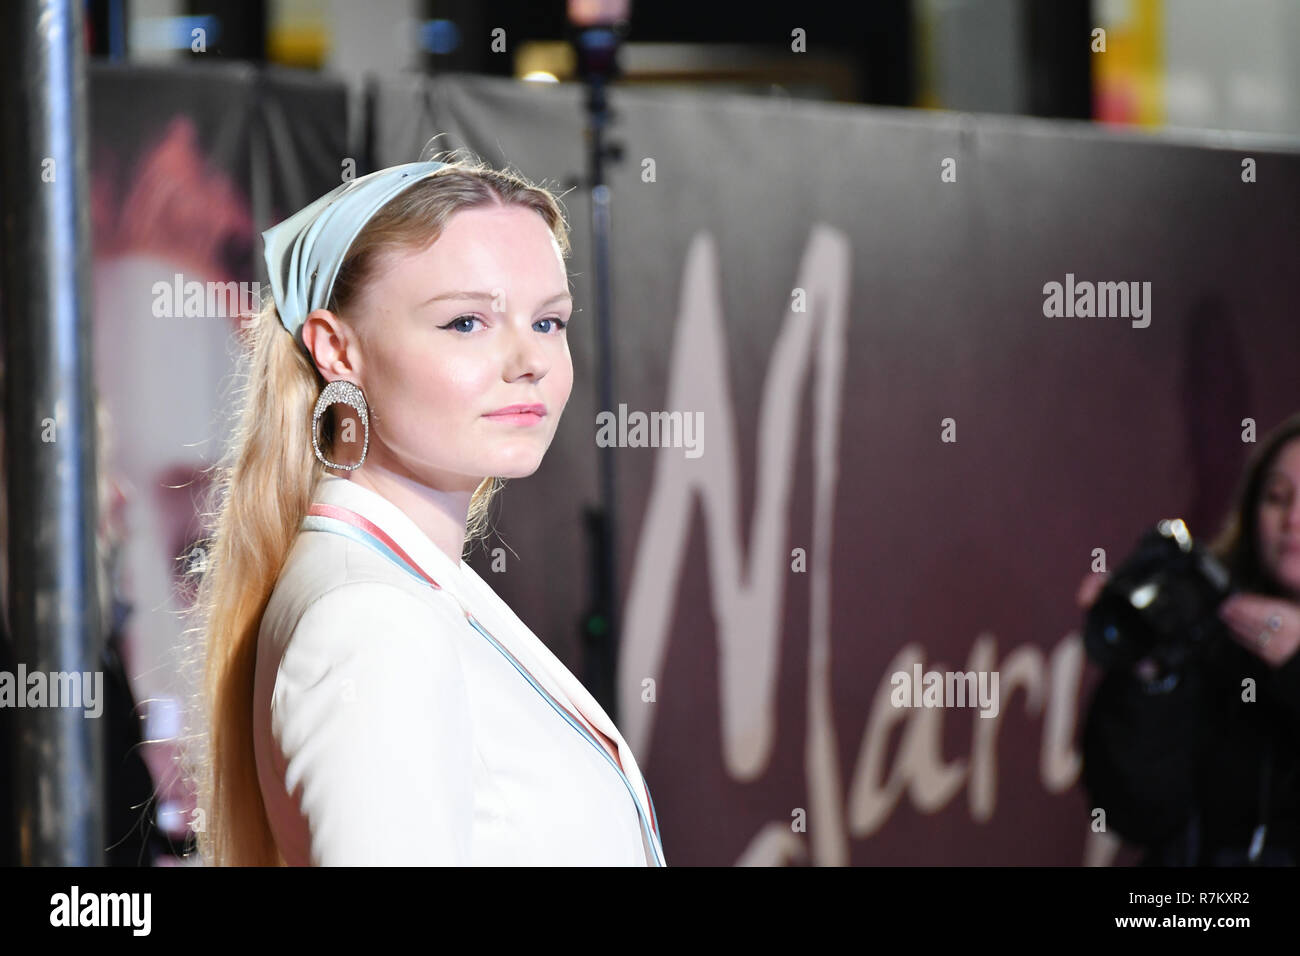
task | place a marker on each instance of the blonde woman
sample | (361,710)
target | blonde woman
(369,699)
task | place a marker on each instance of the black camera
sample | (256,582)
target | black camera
(1162,602)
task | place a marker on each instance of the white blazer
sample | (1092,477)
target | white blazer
(389,730)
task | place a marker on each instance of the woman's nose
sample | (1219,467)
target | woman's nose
(525,353)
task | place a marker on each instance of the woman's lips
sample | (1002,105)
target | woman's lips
(516,418)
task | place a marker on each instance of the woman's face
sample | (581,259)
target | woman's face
(453,333)
(1279,518)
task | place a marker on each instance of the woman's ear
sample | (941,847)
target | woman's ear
(332,344)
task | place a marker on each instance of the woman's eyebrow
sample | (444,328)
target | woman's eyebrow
(486,296)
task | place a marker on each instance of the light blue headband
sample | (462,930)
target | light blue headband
(305,251)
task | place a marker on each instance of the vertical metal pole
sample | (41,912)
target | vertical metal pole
(607,655)
(597,50)
(54,592)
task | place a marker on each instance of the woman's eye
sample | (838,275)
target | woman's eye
(1277,495)
(461,318)
(557,324)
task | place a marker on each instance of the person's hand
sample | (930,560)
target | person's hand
(1090,587)
(1268,627)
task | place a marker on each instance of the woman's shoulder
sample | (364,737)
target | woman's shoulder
(349,592)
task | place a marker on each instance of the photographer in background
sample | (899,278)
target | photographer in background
(1182,760)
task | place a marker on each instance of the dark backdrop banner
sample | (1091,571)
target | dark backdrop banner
(906,442)
(890,444)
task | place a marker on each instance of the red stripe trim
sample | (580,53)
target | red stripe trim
(352,518)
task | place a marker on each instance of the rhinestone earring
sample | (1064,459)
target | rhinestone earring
(343,393)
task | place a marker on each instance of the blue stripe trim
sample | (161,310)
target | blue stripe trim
(361,536)
(645,824)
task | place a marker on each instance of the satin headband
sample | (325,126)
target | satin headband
(304,252)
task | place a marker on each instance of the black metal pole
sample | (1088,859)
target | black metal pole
(597,49)
(1059,62)
(54,574)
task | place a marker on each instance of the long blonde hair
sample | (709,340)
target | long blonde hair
(262,488)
